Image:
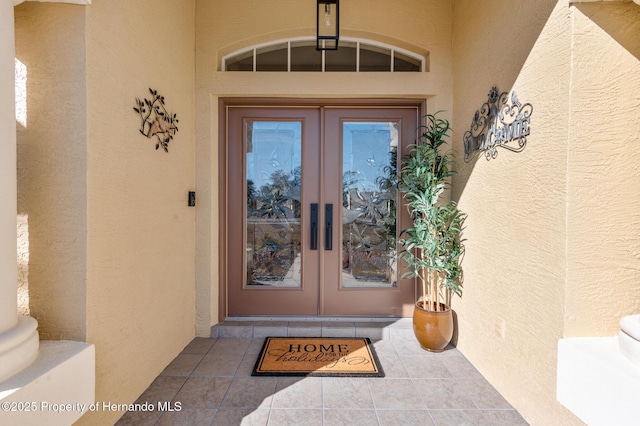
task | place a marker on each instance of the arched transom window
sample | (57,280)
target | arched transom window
(301,55)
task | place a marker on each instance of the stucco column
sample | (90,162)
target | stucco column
(18,335)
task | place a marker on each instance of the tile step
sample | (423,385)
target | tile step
(375,329)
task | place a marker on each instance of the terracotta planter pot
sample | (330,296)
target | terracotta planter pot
(433,330)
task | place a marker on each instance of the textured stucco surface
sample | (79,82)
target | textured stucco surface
(110,236)
(8,271)
(140,253)
(51,167)
(552,247)
(223,27)
(552,231)
(603,202)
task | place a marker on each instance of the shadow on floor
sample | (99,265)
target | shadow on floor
(210,383)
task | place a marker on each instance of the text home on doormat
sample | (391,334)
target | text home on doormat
(318,356)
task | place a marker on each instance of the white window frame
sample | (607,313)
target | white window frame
(393,49)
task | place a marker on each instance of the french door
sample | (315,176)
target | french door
(313,216)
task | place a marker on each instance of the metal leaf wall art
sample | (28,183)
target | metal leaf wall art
(498,124)
(156,120)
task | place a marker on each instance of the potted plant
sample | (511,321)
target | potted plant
(432,247)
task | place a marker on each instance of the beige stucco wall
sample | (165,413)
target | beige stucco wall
(603,202)
(110,236)
(539,243)
(140,271)
(51,167)
(223,27)
(112,247)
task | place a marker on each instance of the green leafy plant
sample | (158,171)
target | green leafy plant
(433,247)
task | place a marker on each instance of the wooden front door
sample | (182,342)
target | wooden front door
(312,213)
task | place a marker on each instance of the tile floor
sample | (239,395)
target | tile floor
(211,379)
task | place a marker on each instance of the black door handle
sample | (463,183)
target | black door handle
(328,227)
(314,226)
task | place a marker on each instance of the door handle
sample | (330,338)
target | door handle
(328,227)
(314,226)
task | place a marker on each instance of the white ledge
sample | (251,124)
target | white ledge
(85,2)
(602,1)
(597,383)
(629,338)
(56,389)
(18,347)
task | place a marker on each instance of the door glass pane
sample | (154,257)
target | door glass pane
(369,169)
(273,176)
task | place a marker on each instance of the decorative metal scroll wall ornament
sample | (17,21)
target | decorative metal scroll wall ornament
(498,124)
(156,120)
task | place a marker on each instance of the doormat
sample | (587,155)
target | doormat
(318,356)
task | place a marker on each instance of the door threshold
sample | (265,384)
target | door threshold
(312,319)
(253,327)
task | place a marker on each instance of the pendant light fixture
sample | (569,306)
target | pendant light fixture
(327,24)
